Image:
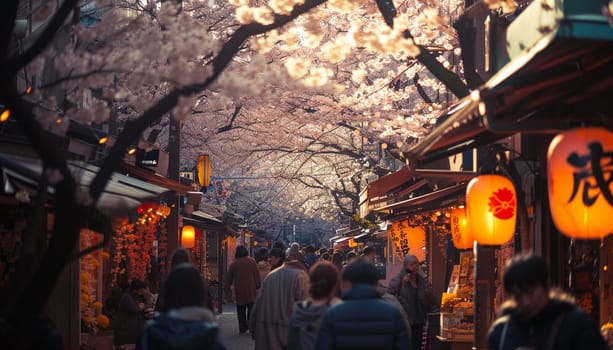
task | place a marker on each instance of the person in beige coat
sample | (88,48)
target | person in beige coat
(244,274)
(263,265)
(282,288)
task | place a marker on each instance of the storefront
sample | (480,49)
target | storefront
(555,80)
(208,250)
(84,284)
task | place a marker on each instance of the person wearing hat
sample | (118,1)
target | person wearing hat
(409,287)
(130,315)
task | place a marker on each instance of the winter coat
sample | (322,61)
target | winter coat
(244,274)
(264,267)
(363,321)
(130,319)
(310,259)
(190,328)
(576,330)
(413,299)
(304,324)
(272,310)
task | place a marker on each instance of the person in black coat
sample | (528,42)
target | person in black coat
(537,317)
(185,324)
(363,320)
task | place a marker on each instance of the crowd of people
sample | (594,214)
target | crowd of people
(301,298)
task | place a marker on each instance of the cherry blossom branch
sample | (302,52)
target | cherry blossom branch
(14,64)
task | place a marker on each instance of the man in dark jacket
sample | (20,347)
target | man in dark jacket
(363,320)
(536,318)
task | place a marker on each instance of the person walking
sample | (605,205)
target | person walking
(264,266)
(363,320)
(310,258)
(281,289)
(369,253)
(409,287)
(243,273)
(537,317)
(276,257)
(183,256)
(307,314)
(186,323)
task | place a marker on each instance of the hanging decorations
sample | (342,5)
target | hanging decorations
(92,317)
(133,244)
(580,177)
(491,209)
(460,231)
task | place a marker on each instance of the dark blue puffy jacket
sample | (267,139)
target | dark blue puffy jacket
(168,333)
(363,321)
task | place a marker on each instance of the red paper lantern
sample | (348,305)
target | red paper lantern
(188,236)
(491,209)
(580,176)
(460,231)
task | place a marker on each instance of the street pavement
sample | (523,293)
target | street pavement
(228,330)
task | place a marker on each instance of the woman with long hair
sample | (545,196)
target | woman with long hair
(307,314)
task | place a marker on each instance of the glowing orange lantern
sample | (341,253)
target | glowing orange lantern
(491,209)
(188,236)
(203,170)
(460,231)
(580,177)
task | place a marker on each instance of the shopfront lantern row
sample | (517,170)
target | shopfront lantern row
(188,236)
(491,206)
(580,182)
(460,231)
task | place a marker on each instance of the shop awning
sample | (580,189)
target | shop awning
(407,180)
(205,216)
(435,199)
(342,239)
(151,177)
(414,180)
(559,76)
(120,195)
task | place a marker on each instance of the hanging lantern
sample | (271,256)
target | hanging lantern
(188,236)
(491,209)
(460,231)
(203,170)
(580,176)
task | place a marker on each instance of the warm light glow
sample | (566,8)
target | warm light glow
(6,114)
(579,182)
(188,236)
(491,208)
(460,231)
(132,151)
(103,140)
(28,90)
(351,243)
(59,120)
(203,170)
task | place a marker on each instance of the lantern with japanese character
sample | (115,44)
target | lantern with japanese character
(491,209)
(188,236)
(460,231)
(580,176)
